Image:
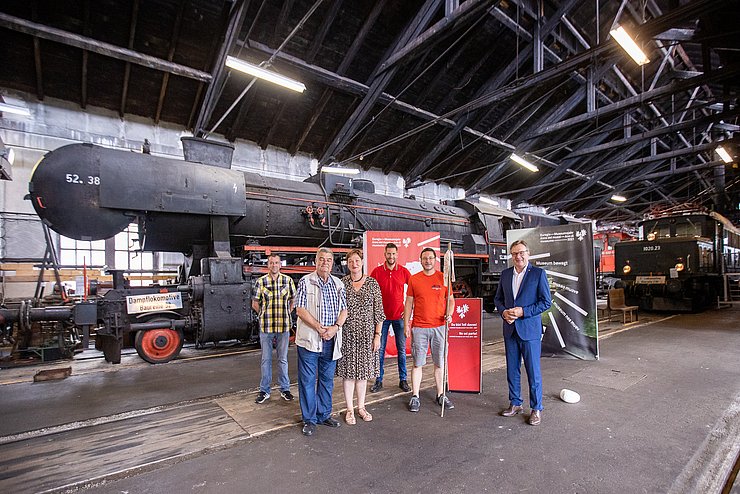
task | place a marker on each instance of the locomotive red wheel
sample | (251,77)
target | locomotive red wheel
(461,289)
(158,346)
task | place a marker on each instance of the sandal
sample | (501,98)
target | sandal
(364,415)
(349,417)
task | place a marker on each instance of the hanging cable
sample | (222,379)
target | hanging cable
(489,134)
(373,119)
(470,104)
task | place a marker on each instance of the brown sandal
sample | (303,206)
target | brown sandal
(349,417)
(364,415)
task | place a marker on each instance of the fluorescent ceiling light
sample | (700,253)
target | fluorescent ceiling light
(618,198)
(724,154)
(488,201)
(629,45)
(265,74)
(18,110)
(338,170)
(526,164)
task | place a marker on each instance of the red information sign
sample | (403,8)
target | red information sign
(409,246)
(464,367)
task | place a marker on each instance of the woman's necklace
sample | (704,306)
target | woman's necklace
(356,280)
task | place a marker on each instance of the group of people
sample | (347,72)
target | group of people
(343,326)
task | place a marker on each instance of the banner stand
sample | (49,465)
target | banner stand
(465,356)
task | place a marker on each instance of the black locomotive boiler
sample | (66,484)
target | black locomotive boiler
(679,262)
(209,212)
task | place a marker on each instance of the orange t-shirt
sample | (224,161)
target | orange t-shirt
(429,294)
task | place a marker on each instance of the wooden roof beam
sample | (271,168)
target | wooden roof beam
(698,122)
(443,27)
(349,86)
(379,81)
(318,40)
(494,83)
(282,21)
(218,72)
(265,141)
(170,55)
(677,86)
(343,66)
(37,57)
(127,68)
(101,48)
(85,55)
(651,176)
(323,100)
(597,175)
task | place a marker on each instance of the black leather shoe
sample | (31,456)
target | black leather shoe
(404,386)
(512,410)
(309,429)
(330,422)
(376,387)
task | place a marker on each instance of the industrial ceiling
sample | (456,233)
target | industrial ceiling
(436,90)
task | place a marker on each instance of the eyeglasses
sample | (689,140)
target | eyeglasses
(519,254)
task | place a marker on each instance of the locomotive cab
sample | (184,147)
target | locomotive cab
(679,262)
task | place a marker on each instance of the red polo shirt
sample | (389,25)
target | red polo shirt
(391,283)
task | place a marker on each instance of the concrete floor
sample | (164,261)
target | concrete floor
(659,412)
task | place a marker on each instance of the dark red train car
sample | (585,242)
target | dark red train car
(606,241)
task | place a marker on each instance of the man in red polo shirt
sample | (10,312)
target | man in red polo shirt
(392,277)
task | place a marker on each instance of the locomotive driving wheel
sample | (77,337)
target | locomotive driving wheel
(461,289)
(158,346)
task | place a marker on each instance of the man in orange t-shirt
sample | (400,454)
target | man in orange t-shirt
(432,304)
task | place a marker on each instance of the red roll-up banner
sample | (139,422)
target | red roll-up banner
(465,337)
(409,246)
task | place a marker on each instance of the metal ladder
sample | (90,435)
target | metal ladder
(731,289)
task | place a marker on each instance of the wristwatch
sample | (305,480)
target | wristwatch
(339,327)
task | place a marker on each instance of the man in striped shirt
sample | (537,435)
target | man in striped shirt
(273,300)
(321,307)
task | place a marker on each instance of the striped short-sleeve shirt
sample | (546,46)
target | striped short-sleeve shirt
(274,297)
(333,298)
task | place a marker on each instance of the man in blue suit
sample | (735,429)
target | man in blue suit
(523,294)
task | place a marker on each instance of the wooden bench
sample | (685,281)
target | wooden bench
(615,303)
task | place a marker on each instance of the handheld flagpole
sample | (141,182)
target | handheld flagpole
(449,278)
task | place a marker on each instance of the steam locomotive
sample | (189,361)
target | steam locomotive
(213,214)
(679,261)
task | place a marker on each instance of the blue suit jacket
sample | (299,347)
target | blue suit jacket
(533,297)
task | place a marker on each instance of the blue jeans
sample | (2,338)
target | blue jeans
(316,382)
(400,347)
(282,357)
